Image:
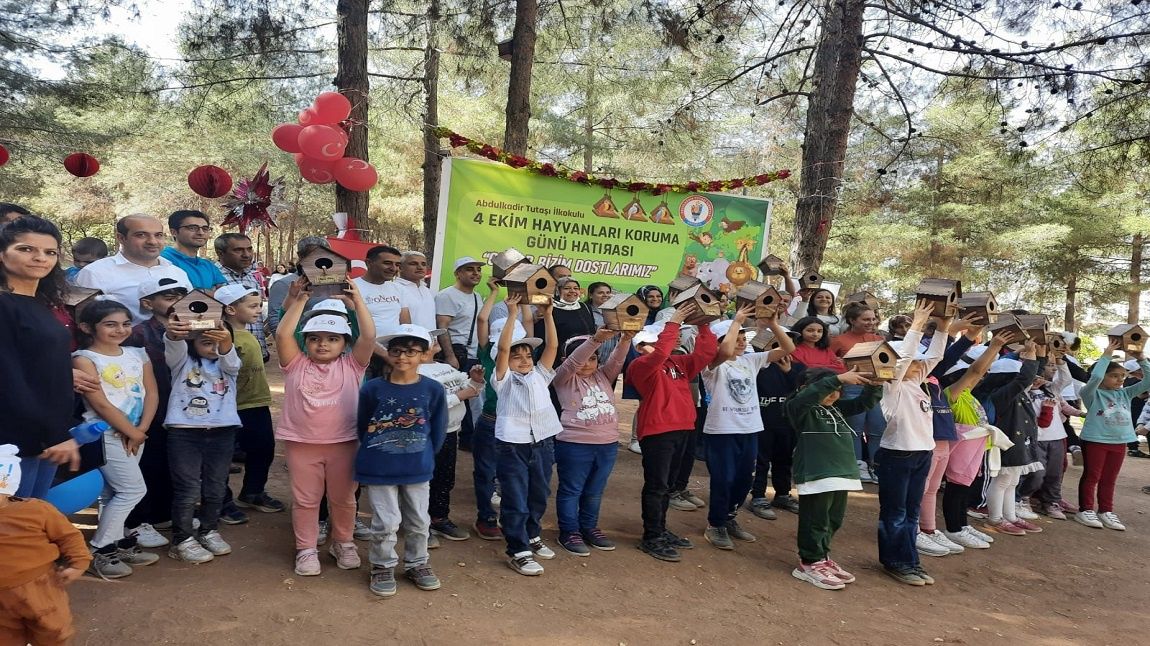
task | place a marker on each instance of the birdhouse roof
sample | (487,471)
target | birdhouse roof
(617,300)
(1032,321)
(754,290)
(868,349)
(324,252)
(976,299)
(76,295)
(939,287)
(1124,329)
(683,282)
(698,289)
(523,273)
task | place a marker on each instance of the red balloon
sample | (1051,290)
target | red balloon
(316,171)
(286,137)
(307,116)
(331,107)
(3,155)
(322,142)
(354,174)
(210,181)
(82,164)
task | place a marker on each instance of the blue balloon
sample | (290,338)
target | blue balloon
(73,495)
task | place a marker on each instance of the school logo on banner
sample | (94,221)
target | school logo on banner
(696,211)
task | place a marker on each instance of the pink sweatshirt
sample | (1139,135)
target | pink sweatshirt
(588,403)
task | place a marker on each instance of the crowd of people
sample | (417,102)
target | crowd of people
(384,383)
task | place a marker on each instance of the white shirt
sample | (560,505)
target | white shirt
(524,414)
(734,406)
(906,405)
(419,301)
(120,278)
(383,301)
(453,381)
(463,308)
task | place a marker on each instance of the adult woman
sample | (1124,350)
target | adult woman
(597,294)
(653,297)
(35,361)
(822,305)
(572,316)
(281,272)
(861,322)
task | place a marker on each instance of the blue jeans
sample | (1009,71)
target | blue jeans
(199,459)
(524,472)
(583,471)
(731,462)
(902,480)
(36,476)
(484,458)
(871,424)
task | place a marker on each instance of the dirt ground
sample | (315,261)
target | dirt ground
(1068,585)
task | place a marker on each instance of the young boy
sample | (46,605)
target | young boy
(242,307)
(42,553)
(157,295)
(665,420)
(402,423)
(85,252)
(525,424)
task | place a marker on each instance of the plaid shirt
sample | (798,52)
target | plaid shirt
(248,279)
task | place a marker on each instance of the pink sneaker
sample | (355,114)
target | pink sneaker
(840,574)
(307,563)
(1005,527)
(1027,526)
(345,554)
(1054,511)
(818,575)
(1068,506)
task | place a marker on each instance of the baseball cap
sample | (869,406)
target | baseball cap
(333,323)
(406,329)
(163,279)
(467,260)
(229,294)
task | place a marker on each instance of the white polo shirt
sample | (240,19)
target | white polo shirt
(419,301)
(120,278)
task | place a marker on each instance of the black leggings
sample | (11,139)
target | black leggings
(954,500)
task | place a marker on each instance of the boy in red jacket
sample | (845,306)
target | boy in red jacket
(666,419)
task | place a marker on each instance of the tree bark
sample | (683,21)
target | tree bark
(351,79)
(1133,302)
(518,115)
(1070,315)
(431,155)
(838,59)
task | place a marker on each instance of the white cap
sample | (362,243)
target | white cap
(532,341)
(467,260)
(722,326)
(333,323)
(234,292)
(649,334)
(974,353)
(406,329)
(9,469)
(330,305)
(1131,365)
(163,278)
(909,351)
(497,329)
(1005,366)
(664,315)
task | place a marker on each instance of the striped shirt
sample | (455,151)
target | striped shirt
(524,413)
(249,279)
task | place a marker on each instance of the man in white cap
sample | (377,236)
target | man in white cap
(456,308)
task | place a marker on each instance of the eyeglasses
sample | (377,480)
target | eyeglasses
(194,227)
(395,353)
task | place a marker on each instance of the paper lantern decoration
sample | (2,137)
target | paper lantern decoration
(331,107)
(322,142)
(82,164)
(316,171)
(286,137)
(3,155)
(354,174)
(210,181)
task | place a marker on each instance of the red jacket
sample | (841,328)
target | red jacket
(663,381)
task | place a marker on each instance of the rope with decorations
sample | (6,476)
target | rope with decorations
(550,170)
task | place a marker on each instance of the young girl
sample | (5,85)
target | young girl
(861,322)
(1105,432)
(126,401)
(821,304)
(1050,408)
(824,468)
(585,449)
(653,297)
(318,423)
(813,349)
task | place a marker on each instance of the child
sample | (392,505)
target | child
(242,307)
(1105,431)
(732,423)
(825,468)
(42,553)
(483,454)
(776,443)
(1046,393)
(126,401)
(586,448)
(401,425)
(85,252)
(201,422)
(525,422)
(860,324)
(821,305)
(813,349)
(665,420)
(318,423)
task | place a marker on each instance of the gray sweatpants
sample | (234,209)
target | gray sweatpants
(1046,485)
(393,506)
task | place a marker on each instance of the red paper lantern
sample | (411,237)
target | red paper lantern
(316,171)
(82,164)
(3,155)
(354,174)
(331,107)
(210,181)
(286,137)
(322,142)
(307,116)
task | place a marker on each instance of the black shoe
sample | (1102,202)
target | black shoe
(787,502)
(239,457)
(233,516)
(659,549)
(1137,453)
(234,469)
(677,542)
(261,501)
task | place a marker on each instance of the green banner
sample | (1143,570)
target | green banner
(625,239)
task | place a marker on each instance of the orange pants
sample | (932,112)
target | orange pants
(36,613)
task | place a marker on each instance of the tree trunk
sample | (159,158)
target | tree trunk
(431,155)
(351,79)
(1070,315)
(1134,299)
(831,104)
(519,86)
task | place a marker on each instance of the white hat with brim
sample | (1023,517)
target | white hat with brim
(532,341)
(973,354)
(333,323)
(722,326)
(465,261)
(330,305)
(164,278)
(649,334)
(9,469)
(1005,366)
(497,329)
(1131,365)
(405,330)
(232,294)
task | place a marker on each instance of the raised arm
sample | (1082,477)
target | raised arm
(483,318)
(614,364)
(1096,374)
(365,344)
(726,349)
(294,302)
(503,353)
(551,342)
(977,370)
(786,344)
(579,357)
(913,338)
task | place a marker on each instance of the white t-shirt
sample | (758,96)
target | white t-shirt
(462,308)
(453,381)
(383,301)
(419,301)
(120,278)
(734,406)
(122,379)
(524,413)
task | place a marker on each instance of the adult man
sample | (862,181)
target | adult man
(379,290)
(235,254)
(190,230)
(417,298)
(456,307)
(10,211)
(279,289)
(141,239)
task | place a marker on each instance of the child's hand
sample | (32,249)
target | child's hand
(351,295)
(476,373)
(963,324)
(855,378)
(1003,339)
(627,336)
(602,335)
(177,329)
(493,284)
(66,575)
(1141,430)
(513,301)
(922,311)
(1029,350)
(784,364)
(1113,347)
(684,311)
(744,313)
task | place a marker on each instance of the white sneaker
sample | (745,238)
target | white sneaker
(540,549)
(1110,521)
(147,536)
(524,564)
(982,536)
(943,540)
(967,540)
(496,499)
(362,532)
(1023,511)
(190,551)
(635,447)
(214,543)
(927,547)
(307,563)
(1089,518)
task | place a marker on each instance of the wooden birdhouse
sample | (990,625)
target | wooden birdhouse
(533,283)
(1055,342)
(706,302)
(864,297)
(1130,335)
(810,279)
(76,298)
(771,265)
(1036,326)
(981,304)
(327,271)
(680,285)
(763,297)
(1008,323)
(876,359)
(624,313)
(200,311)
(942,294)
(503,262)
(764,341)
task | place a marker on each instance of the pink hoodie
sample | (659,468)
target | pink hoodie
(588,403)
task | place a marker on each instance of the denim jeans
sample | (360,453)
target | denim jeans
(36,477)
(124,488)
(583,471)
(661,452)
(524,472)
(199,458)
(902,480)
(871,424)
(775,457)
(484,457)
(731,461)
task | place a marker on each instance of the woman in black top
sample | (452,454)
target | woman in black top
(572,316)
(35,359)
